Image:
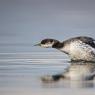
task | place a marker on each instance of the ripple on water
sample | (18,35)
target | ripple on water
(21,72)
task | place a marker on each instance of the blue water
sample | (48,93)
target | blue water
(20,74)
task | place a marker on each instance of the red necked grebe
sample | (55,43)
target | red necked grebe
(78,48)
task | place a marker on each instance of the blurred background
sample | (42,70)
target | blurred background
(24,23)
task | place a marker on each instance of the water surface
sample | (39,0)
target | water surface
(20,75)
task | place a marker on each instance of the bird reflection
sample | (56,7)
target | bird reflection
(79,74)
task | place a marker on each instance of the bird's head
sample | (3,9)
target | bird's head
(47,43)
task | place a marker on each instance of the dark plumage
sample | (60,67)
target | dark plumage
(57,45)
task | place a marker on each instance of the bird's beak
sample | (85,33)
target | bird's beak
(37,44)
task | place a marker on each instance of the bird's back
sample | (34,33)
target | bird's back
(80,48)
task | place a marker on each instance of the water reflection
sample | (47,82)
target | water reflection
(20,74)
(78,74)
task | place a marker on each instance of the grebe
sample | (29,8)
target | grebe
(78,48)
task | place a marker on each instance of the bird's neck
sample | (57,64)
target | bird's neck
(58,45)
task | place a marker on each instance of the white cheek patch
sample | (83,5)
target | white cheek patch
(46,45)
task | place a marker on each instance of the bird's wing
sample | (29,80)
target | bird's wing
(88,40)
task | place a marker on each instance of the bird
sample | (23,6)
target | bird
(81,48)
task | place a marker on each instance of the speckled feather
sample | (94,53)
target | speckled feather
(80,48)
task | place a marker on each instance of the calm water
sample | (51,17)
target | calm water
(20,75)
(24,23)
